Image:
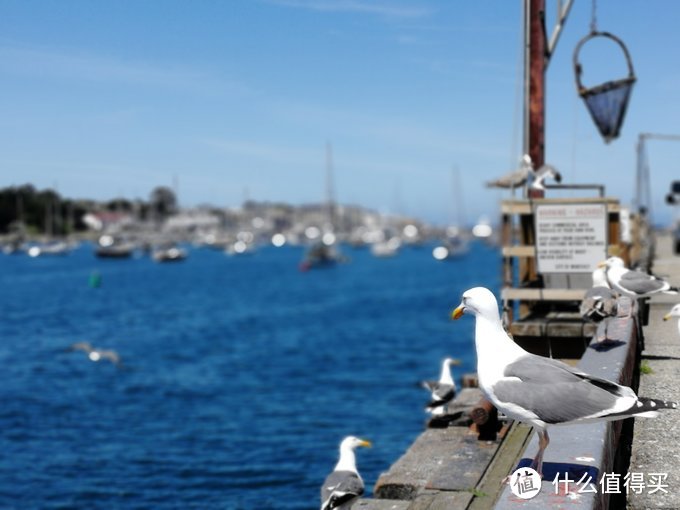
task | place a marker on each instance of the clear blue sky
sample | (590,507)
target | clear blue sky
(108,98)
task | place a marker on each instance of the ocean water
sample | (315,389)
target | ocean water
(240,375)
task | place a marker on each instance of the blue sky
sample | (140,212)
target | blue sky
(113,98)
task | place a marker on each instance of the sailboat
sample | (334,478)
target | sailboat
(52,246)
(323,253)
(454,244)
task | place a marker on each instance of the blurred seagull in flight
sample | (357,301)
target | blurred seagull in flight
(95,354)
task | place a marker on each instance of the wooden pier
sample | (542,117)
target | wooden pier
(452,468)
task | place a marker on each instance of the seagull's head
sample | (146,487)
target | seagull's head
(452,362)
(675,312)
(351,442)
(612,262)
(477,301)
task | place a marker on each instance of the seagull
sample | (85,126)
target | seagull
(546,171)
(516,178)
(542,391)
(675,312)
(635,284)
(344,485)
(443,390)
(95,354)
(600,300)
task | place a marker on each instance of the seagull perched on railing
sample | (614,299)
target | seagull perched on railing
(635,284)
(675,312)
(443,390)
(526,173)
(542,391)
(600,300)
(344,485)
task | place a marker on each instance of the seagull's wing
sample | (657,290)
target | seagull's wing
(553,392)
(642,283)
(429,385)
(511,180)
(442,394)
(339,488)
(81,346)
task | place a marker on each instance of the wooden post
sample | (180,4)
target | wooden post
(537,63)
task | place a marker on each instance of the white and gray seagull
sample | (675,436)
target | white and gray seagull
(635,284)
(542,391)
(675,312)
(599,301)
(95,354)
(344,485)
(442,391)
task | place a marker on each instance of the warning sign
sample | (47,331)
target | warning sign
(570,238)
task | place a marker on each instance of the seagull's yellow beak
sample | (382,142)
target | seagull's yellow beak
(602,264)
(667,317)
(457,312)
(365,444)
(456,362)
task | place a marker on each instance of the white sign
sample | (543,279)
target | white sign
(570,238)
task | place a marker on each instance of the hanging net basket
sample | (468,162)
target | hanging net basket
(607,102)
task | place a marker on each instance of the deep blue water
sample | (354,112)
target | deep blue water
(241,374)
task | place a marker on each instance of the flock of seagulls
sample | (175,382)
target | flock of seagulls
(532,389)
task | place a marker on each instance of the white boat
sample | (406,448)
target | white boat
(51,248)
(387,248)
(168,254)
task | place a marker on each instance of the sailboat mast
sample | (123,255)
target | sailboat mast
(330,189)
(458,197)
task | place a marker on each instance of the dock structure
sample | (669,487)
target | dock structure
(456,467)
(656,443)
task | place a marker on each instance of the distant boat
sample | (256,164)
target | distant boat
(168,253)
(453,247)
(240,248)
(386,249)
(321,255)
(111,247)
(454,244)
(51,248)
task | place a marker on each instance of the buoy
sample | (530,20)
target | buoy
(95,279)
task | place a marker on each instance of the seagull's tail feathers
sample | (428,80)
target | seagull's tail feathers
(672,290)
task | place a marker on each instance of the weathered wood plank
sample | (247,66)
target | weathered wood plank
(520,250)
(449,459)
(525,206)
(535,294)
(381,504)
